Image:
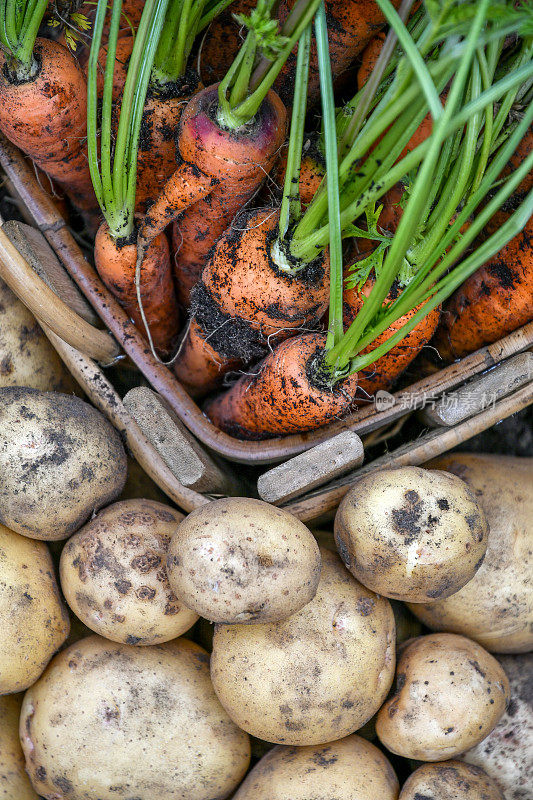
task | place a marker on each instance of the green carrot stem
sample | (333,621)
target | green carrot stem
(291,205)
(126,107)
(417,62)
(141,88)
(240,87)
(24,50)
(107,112)
(332,179)
(166,43)
(209,15)
(92,103)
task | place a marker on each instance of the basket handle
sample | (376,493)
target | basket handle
(48,308)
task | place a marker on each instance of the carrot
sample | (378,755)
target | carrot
(229,167)
(351,25)
(43,112)
(115,262)
(284,395)
(123,49)
(386,370)
(201,365)
(145,288)
(369,57)
(245,302)
(493,302)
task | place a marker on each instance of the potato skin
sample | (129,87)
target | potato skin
(507,752)
(60,460)
(113,574)
(33,620)
(316,676)
(108,721)
(348,769)
(26,356)
(484,609)
(450,693)
(411,534)
(451,780)
(14,782)
(239,560)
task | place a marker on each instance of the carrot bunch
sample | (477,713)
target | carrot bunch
(313,377)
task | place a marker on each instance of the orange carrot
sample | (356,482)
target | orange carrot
(244,302)
(45,116)
(229,166)
(369,57)
(283,395)
(115,261)
(493,302)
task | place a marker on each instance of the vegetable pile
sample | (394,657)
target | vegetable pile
(287,280)
(339,659)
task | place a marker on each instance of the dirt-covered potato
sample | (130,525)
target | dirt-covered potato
(240,560)
(33,621)
(451,780)
(14,782)
(26,356)
(507,752)
(109,721)
(449,694)
(316,676)
(60,460)
(349,769)
(411,534)
(496,607)
(113,574)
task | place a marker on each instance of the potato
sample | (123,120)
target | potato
(33,621)
(242,560)
(14,782)
(113,574)
(450,693)
(496,607)
(411,533)
(451,780)
(60,460)
(349,769)
(110,721)
(507,752)
(26,356)
(316,676)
